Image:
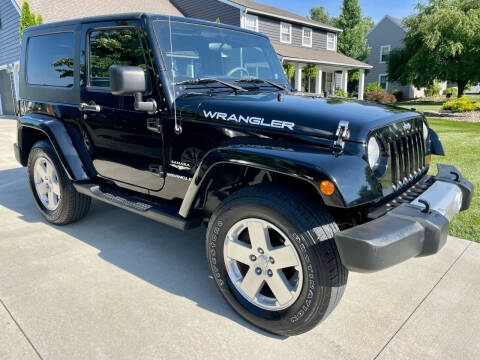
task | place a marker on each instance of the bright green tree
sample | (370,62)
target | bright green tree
(442,43)
(321,15)
(28,18)
(351,41)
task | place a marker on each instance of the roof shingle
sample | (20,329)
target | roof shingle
(71,9)
(326,57)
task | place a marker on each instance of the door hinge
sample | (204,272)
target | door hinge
(154,125)
(156,169)
(342,134)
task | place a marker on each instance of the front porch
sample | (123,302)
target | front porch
(327,80)
(331,69)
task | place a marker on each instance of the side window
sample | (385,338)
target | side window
(112,47)
(50,60)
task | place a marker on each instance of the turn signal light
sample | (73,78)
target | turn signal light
(327,188)
(429,159)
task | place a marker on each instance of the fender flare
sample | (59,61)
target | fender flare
(354,181)
(60,139)
(436,146)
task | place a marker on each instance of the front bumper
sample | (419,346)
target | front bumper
(418,228)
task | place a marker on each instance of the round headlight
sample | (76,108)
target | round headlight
(425,131)
(373,150)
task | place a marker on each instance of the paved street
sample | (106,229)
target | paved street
(119,286)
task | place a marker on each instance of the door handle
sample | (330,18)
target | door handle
(88,107)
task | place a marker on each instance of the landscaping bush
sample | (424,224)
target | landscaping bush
(461,104)
(381,97)
(374,87)
(341,93)
(398,94)
(433,89)
(451,91)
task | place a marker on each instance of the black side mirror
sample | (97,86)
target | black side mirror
(130,80)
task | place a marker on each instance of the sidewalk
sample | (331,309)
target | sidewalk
(119,286)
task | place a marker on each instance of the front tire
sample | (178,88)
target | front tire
(54,194)
(273,256)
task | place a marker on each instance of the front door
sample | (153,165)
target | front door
(121,146)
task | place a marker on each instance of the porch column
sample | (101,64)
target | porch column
(318,81)
(298,77)
(361,84)
(344,80)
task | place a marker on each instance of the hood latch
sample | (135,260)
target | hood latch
(341,134)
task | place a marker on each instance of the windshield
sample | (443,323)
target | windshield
(203,51)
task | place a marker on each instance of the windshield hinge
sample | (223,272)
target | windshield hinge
(342,133)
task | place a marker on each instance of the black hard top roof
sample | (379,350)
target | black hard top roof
(134,16)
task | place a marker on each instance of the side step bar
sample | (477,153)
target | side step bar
(161,212)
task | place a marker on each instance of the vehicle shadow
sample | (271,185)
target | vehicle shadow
(170,259)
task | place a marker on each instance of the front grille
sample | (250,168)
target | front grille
(407,158)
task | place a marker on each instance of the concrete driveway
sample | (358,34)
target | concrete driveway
(118,286)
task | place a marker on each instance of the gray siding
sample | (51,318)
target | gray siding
(208,10)
(271,27)
(9,45)
(386,33)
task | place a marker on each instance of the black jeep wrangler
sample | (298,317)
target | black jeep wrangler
(188,122)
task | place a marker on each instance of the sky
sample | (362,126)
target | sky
(376,9)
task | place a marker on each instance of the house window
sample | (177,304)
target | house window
(307,37)
(331,41)
(285,33)
(384,51)
(383,81)
(251,22)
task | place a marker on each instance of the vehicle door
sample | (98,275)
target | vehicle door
(121,146)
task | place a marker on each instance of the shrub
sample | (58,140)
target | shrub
(451,91)
(381,97)
(433,89)
(461,104)
(374,87)
(398,94)
(341,93)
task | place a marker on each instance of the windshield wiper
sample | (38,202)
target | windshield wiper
(259,80)
(209,81)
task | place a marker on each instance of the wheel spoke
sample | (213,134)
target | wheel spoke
(41,188)
(251,283)
(284,257)
(56,189)
(239,252)
(50,171)
(259,237)
(51,198)
(41,169)
(280,287)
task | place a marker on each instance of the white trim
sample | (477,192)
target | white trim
(259,12)
(303,37)
(15,5)
(386,83)
(385,17)
(334,41)
(351,66)
(290,32)
(389,47)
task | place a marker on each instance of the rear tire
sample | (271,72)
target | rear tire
(315,284)
(54,194)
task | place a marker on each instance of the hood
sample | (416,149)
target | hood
(291,113)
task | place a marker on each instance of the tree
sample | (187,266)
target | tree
(27,18)
(351,41)
(442,43)
(321,15)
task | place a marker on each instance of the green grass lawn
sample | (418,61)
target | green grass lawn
(461,141)
(421,106)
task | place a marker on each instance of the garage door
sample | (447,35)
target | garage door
(6,94)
